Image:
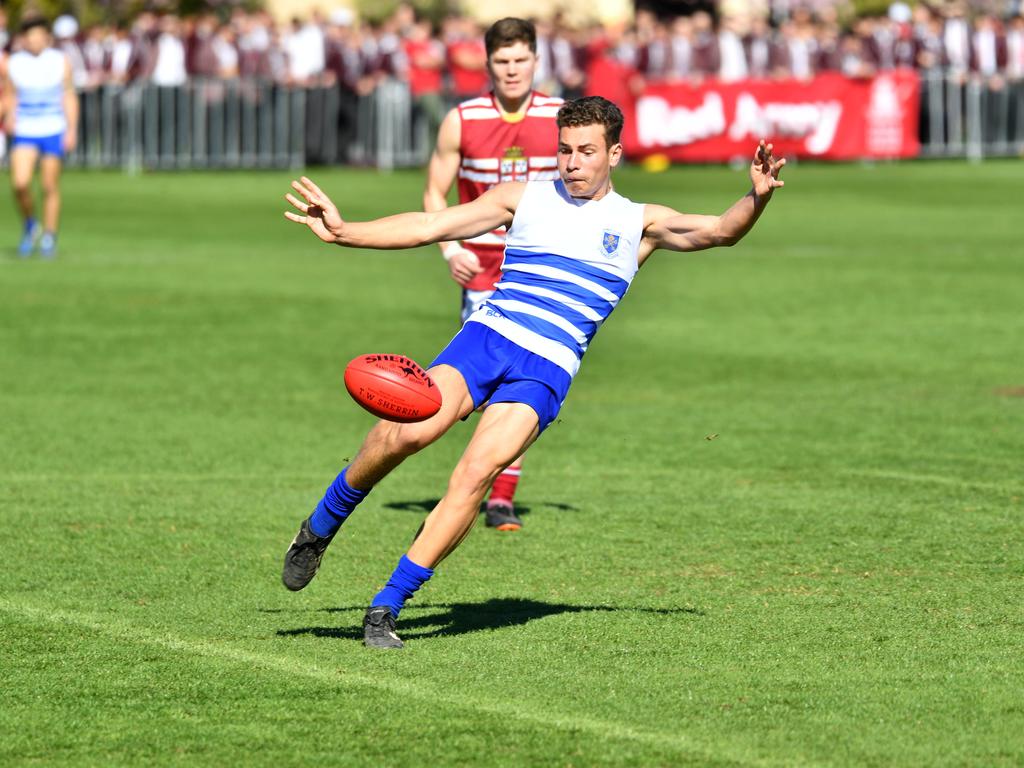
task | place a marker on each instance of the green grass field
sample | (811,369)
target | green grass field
(837,578)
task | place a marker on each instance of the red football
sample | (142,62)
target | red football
(392,387)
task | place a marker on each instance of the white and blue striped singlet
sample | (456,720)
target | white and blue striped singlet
(567,265)
(39,88)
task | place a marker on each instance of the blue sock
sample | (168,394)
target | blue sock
(336,505)
(407,578)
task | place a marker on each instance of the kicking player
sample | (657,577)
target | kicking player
(507,135)
(572,249)
(41,117)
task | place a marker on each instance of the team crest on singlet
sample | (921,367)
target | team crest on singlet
(514,165)
(610,242)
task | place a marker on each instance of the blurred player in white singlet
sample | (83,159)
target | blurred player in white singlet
(40,114)
(508,134)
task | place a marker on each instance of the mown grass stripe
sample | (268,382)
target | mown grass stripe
(914,477)
(510,710)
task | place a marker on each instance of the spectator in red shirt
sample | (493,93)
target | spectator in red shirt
(426,58)
(467,59)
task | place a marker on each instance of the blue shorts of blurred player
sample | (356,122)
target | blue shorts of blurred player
(47,145)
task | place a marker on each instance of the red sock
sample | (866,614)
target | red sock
(504,488)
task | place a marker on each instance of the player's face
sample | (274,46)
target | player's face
(511,68)
(585,161)
(36,40)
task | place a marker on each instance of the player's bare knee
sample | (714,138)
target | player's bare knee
(407,439)
(472,477)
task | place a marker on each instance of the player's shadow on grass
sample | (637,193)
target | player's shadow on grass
(426,505)
(447,619)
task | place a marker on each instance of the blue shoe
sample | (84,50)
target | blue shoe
(28,238)
(48,245)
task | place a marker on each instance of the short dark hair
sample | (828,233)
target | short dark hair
(508,31)
(32,21)
(592,110)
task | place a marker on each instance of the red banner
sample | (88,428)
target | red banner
(831,117)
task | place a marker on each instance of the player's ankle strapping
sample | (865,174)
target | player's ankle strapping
(407,578)
(336,505)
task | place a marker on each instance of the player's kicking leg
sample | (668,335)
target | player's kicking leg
(386,446)
(503,433)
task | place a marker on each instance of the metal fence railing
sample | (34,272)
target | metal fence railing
(968,117)
(243,123)
(203,124)
(246,123)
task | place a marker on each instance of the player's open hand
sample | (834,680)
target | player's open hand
(463,265)
(764,171)
(316,210)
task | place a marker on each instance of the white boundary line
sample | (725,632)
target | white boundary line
(602,729)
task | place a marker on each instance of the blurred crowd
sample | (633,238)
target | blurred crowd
(802,39)
(743,39)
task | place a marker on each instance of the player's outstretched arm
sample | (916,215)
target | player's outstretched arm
(674,231)
(493,209)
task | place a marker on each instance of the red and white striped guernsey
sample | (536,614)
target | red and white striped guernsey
(495,149)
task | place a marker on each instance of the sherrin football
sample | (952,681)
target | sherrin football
(392,387)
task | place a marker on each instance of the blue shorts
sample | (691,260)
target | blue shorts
(47,145)
(498,371)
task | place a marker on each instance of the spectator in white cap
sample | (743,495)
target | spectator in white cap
(65,31)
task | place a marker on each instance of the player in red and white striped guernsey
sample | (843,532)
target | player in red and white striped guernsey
(508,134)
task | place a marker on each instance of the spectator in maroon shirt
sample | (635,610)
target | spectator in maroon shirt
(929,49)
(96,52)
(760,47)
(988,51)
(253,39)
(654,59)
(856,59)
(956,39)
(707,59)
(989,60)
(872,52)
(568,55)
(544,75)
(733,55)
(829,55)
(1015,49)
(200,57)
